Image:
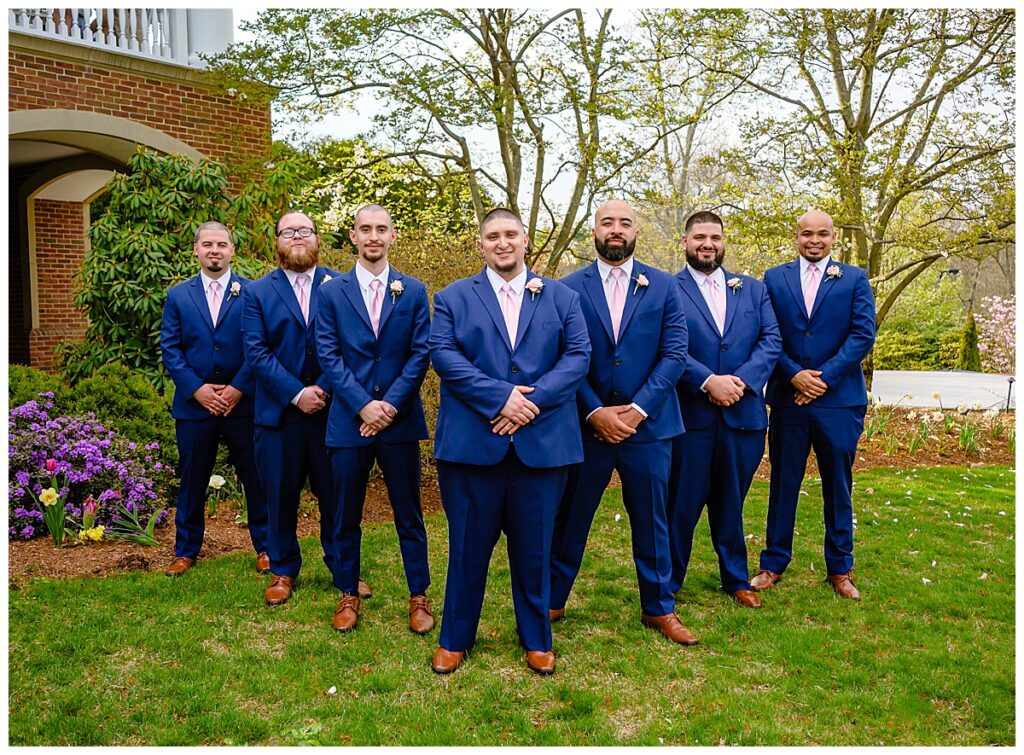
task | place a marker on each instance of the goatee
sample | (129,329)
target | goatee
(616,253)
(298,259)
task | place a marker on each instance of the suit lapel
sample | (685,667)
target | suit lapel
(482,288)
(634,292)
(594,287)
(350,285)
(826,285)
(732,296)
(526,311)
(195,290)
(692,290)
(390,301)
(314,292)
(226,300)
(280,283)
(792,276)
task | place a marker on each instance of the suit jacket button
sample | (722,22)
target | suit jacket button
(515,369)
(216,370)
(808,333)
(615,393)
(724,347)
(376,389)
(376,359)
(618,362)
(309,352)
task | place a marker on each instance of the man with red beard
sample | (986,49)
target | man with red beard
(278,327)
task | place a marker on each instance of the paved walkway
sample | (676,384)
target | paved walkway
(955,388)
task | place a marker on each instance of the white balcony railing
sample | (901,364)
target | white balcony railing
(159,33)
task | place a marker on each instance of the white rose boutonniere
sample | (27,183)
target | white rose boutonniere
(396,289)
(834,271)
(324,279)
(641,282)
(236,288)
(735,284)
(534,286)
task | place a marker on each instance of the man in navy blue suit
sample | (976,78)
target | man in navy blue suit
(278,326)
(372,327)
(630,413)
(733,346)
(511,350)
(201,347)
(826,314)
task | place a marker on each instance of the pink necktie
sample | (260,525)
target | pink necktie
(300,290)
(811,287)
(718,300)
(617,301)
(214,301)
(508,309)
(376,301)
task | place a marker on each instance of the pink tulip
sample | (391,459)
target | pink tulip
(51,465)
(90,505)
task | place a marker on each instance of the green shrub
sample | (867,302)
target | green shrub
(969,358)
(26,383)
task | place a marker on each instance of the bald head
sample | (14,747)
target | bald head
(615,231)
(815,234)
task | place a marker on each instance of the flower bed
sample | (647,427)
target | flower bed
(88,461)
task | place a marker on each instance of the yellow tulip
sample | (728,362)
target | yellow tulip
(48,497)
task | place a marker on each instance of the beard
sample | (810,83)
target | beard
(298,258)
(616,253)
(701,266)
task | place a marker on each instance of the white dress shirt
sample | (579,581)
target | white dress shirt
(821,264)
(705,290)
(224,281)
(292,276)
(518,286)
(605,271)
(365,278)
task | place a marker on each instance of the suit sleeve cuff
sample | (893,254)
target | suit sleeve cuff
(591,414)
(296,397)
(639,409)
(703,389)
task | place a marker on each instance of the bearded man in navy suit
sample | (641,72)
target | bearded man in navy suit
(630,413)
(201,347)
(372,327)
(292,399)
(511,349)
(826,314)
(733,346)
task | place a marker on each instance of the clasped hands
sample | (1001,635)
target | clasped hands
(518,411)
(724,390)
(217,399)
(809,386)
(376,416)
(613,424)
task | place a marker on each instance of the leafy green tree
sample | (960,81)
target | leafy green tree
(969,357)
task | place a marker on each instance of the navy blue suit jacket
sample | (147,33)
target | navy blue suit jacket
(834,339)
(648,360)
(280,347)
(195,352)
(360,367)
(748,349)
(478,367)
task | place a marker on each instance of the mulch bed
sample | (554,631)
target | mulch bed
(38,557)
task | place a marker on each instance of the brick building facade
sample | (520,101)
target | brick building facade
(78,109)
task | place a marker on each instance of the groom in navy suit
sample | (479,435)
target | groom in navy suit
(629,412)
(201,347)
(372,326)
(511,349)
(292,398)
(734,344)
(826,314)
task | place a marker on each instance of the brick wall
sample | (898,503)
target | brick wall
(60,248)
(223,128)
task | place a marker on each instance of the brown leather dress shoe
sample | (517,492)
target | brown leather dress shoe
(179,566)
(446,661)
(747,598)
(346,616)
(421,619)
(279,590)
(556,614)
(363,590)
(541,662)
(262,563)
(765,580)
(843,585)
(670,626)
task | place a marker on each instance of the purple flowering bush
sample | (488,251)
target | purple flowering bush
(90,461)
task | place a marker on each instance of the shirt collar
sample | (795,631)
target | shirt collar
(365,277)
(718,275)
(821,264)
(293,274)
(516,283)
(604,269)
(224,280)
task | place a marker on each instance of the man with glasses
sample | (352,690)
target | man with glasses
(278,327)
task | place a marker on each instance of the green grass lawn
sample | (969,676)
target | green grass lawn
(141,659)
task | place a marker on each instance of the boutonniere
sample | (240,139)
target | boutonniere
(324,279)
(735,284)
(534,286)
(396,289)
(834,271)
(236,288)
(641,282)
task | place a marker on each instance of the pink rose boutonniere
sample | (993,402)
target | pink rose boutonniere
(396,289)
(834,271)
(534,286)
(641,282)
(735,284)
(236,288)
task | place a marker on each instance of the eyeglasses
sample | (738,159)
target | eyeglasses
(302,233)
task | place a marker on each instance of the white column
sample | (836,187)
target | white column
(210,31)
